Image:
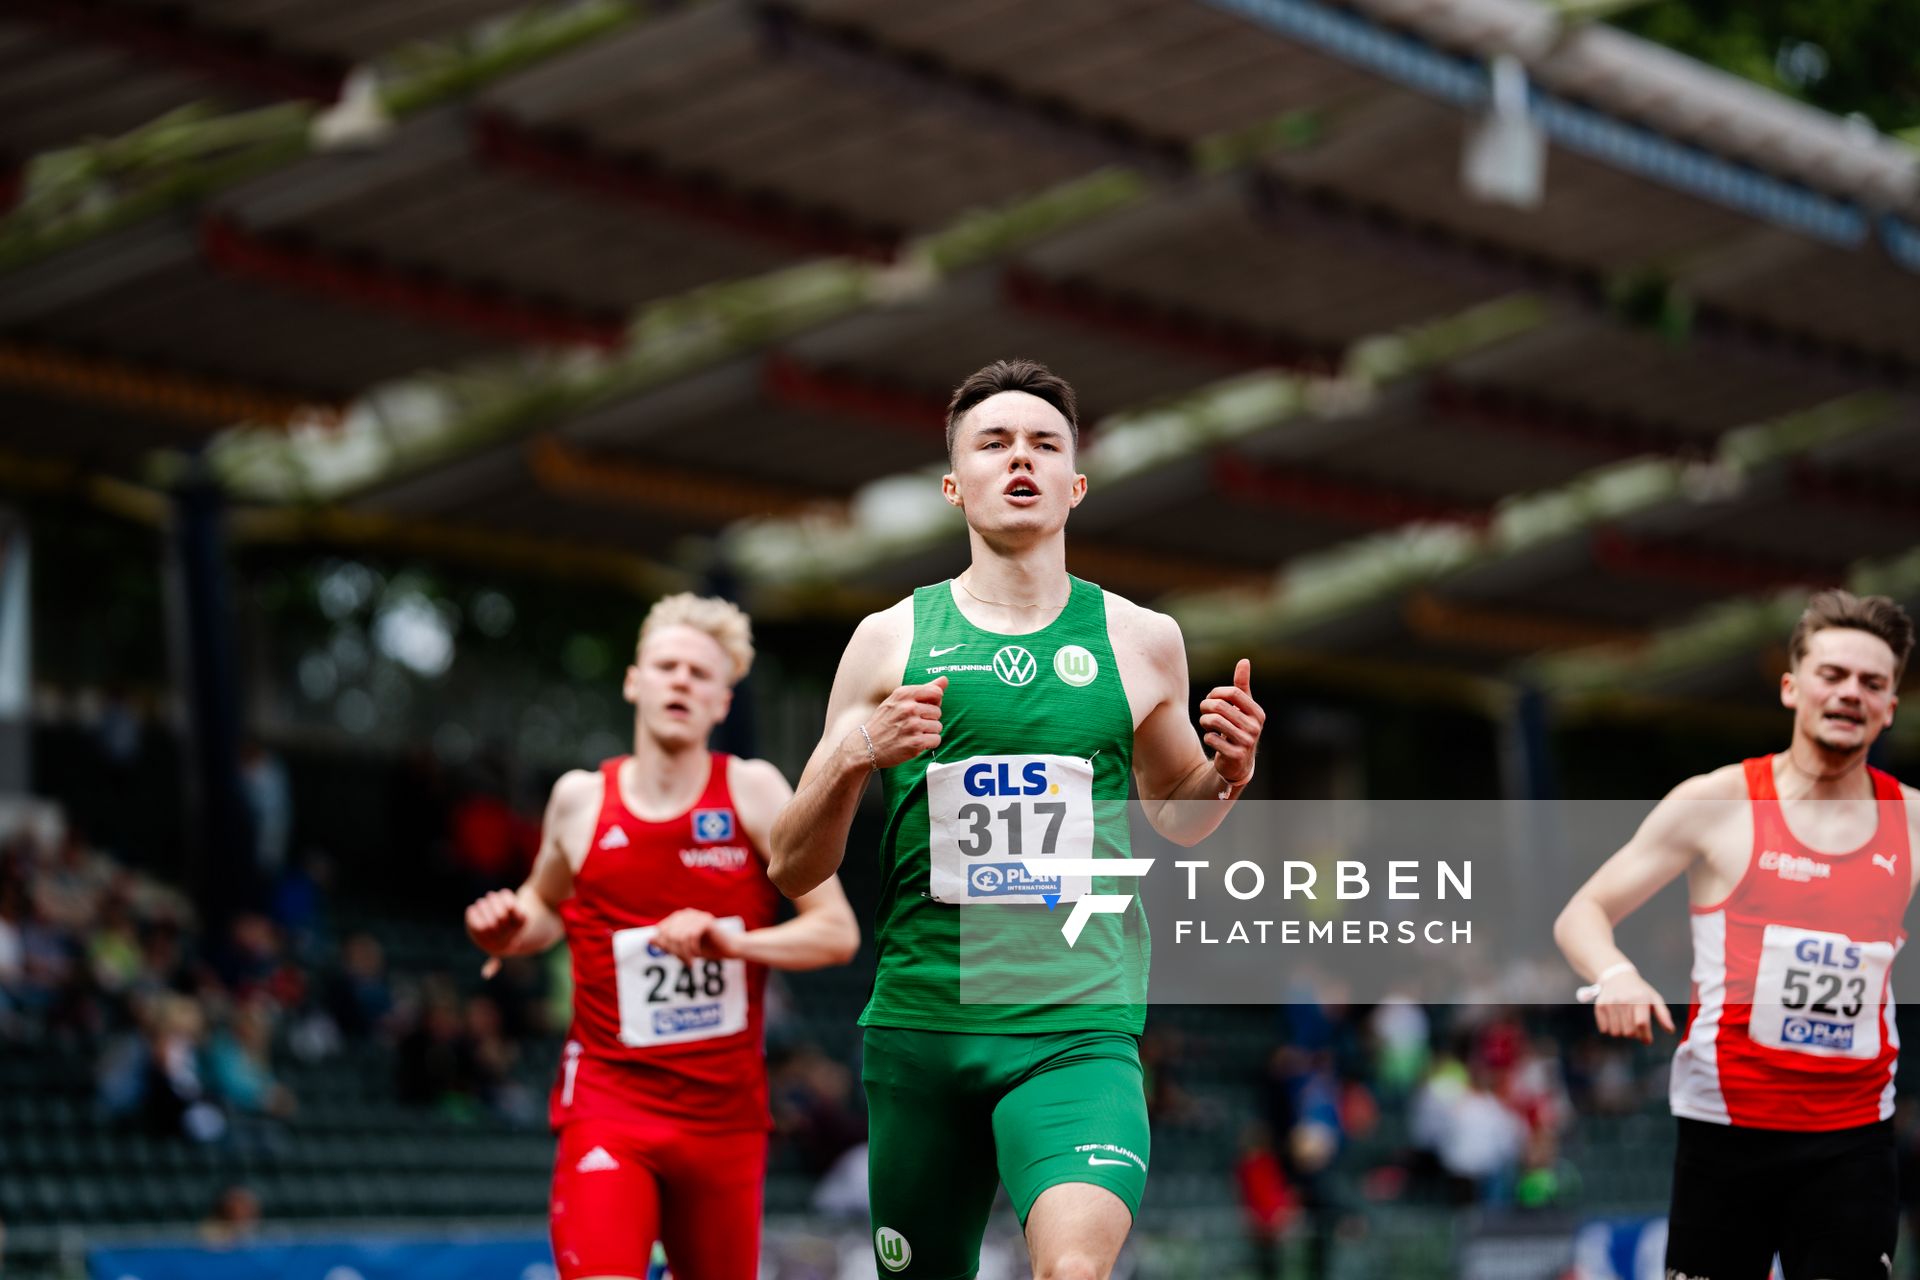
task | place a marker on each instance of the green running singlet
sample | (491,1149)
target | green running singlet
(1035,754)
(995,1053)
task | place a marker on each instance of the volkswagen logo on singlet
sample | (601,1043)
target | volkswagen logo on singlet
(1015,665)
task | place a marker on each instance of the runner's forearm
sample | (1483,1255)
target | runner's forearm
(809,838)
(543,927)
(1585,938)
(1190,814)
(814,940)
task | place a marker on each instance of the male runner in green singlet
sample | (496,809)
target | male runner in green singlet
(1004,711)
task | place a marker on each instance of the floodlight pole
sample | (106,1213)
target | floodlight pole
(201,621)
(16,655)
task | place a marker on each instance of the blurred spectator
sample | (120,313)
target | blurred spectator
(298,898)
(359,998)
(491,844)
(269,799)
(490,1057)
(813,1108)
(162,958)
(114,952)
(842,1190)
(47,961)
(13,916)
(1167,1103)
(240,1063)
(174,1097)
(118,729)
(1400,1029)
(1303,1109)
(234,1220)
(1477,1138)
(1266,1201)
(251,956)
(67,891)
(429,1066)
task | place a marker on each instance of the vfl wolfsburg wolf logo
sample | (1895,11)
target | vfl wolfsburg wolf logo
(895,1252)
(1076,665)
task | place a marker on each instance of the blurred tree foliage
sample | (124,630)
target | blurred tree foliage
(1843,56)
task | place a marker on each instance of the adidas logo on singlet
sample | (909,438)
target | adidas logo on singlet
(596,1161)
(614,839)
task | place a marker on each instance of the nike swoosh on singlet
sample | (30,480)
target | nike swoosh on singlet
(941,653)
(1098,1160)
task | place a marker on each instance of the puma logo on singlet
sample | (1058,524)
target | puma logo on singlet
(614,839)
(1881,860)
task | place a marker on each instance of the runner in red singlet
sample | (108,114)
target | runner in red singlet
(652,868)
(1799,867)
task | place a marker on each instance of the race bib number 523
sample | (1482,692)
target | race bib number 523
(664,1001)
(991,817)
(1819,993)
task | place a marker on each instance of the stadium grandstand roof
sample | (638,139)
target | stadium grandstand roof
(606,278)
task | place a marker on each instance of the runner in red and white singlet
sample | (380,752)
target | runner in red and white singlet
(652,868)
(1799,868)
(1791,1022)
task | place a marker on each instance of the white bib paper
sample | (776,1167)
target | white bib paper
(1819,993)
(988,816)
(664,1001)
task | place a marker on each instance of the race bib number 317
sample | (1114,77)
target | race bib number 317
(1819,993)
(991,819)
(665,1001)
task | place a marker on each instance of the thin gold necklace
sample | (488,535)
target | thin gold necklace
(1006,604)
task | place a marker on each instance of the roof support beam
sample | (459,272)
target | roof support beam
(186,397)
(1373,573)
(798,385)
(1660,560)
(848,51)
(1304,491)
(640,180)
(174,34)
(396,290)
(1136,319)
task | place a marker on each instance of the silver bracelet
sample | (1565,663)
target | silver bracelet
(1231,784)
(871,753)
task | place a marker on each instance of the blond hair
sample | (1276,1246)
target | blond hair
(724,620)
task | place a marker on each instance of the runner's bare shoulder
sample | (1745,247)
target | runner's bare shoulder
(572,808)
(1146,635)
(876,656)
(1703,802)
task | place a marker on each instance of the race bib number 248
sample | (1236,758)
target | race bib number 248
(665,1001)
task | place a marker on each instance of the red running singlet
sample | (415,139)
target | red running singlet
(652,1036)
(1791,1024)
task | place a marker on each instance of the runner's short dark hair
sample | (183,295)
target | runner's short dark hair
(1029,376)
(1875,615)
